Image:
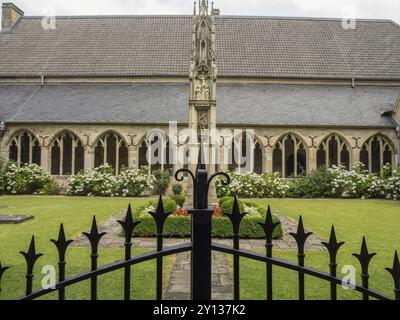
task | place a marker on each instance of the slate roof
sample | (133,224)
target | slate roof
(160,45)
(238,104)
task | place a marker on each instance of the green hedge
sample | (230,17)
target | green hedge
(180,227)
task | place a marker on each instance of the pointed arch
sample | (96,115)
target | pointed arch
(24,148)
(163,154)
(290,155)
(377,151)
(335,149)
(238,152)
(66,153)
(111,148)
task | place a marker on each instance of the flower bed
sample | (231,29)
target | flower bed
(267,185)
(178,225)
(28,179)
(336,182)
(102,182)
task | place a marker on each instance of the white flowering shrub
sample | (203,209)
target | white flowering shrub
(357,183)
(336,182)
(134,182)
(102,182)
(26,179)
(390,187)
(253,185)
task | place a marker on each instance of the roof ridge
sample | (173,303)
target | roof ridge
(294,18)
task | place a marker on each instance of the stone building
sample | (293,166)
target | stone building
(85,90)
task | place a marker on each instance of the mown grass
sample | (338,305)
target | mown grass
(76,214)
(378,220)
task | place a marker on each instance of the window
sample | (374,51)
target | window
(290,156)
(25,149)
(67,155)
(111,149)
(238,153)
(375,153)
(333,151)
(163,154)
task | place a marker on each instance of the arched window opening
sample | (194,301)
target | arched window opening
(376,152)
(111,149)
(290,157)
(258,159)
(25,149)
(156,153)
(240,153)
(67,155)
(333,151)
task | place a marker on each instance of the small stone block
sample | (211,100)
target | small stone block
(15,219)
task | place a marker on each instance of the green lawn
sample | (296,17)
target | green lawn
(76,214)
(378,220)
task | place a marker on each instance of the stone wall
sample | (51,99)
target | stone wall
(135,134)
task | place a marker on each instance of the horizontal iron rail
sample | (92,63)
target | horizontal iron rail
(110,268)
(295,267)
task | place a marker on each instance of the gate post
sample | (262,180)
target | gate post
(201,254)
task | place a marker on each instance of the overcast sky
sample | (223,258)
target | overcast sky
(387,9)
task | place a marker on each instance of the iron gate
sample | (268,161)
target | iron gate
(201,248)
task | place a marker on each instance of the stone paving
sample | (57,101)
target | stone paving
(179,283)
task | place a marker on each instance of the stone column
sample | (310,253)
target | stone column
(312,161)
(45,159)
(89,158)
(356,157)
(268,157)
(133,157)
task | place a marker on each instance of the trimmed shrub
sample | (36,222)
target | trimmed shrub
(179,199)
(227,206)
(26,179)
(180,226)
(169,206)
(161,181)
(177,189)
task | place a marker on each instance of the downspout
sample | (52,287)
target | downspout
(398,143)
(2,130)
(398,139)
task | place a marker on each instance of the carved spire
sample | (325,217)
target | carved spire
(203,67)
(203,8)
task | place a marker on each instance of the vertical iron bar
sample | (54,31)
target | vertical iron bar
(365,283)
(61,278)
(301,258)
(93,281)
(201,254)
(160,237)
(236,269)
(333,269)
(127,272)
(269,271)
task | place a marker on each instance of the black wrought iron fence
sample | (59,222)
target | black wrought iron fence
(201,248)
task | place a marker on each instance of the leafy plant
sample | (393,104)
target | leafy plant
(177,189)
(179,199)
(161,181)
